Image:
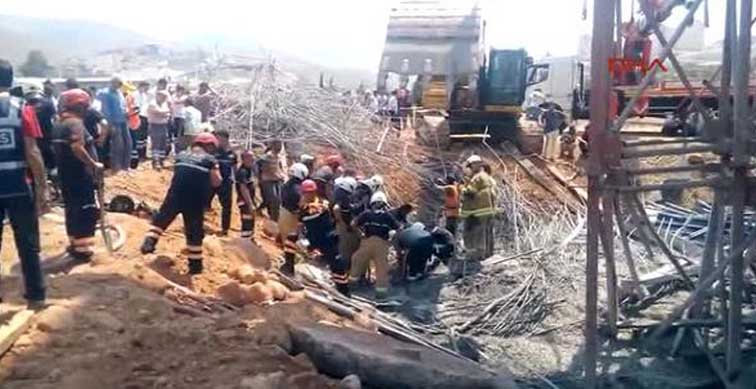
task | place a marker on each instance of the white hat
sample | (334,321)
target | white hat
(305,158)
(473,159)
(299,170)
(378,198)
(348,184)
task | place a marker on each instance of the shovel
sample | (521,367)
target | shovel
(100,190)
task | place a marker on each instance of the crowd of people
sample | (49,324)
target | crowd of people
(322,208)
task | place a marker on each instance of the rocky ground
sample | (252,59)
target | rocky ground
(116,323)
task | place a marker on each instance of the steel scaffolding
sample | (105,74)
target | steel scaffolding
(613,193)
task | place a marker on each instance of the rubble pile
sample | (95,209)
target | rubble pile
(274,105)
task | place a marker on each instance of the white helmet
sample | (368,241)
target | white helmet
(347,184)
(306,158)
(375,183)
(299,170)
(473,159)
(378,198)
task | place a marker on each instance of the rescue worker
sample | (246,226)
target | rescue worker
(271,177)
(326,175)
(349,237)
(133,121)
(245,194)
(415,248)
(19,151)
(364,191)
(309,161)
(452,203)
(318,225)
(376,224)
(78,171)
(478,209)
(291,195)
(227,162)
(196,174)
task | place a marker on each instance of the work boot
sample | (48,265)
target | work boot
(36,305)
(344,289)
(79,256)
(148,246)
(288,266)
(195,266)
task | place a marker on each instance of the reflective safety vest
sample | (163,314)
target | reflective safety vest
(451,200)
(478,198)
(12,156)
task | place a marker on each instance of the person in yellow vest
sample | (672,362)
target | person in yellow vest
(478,209)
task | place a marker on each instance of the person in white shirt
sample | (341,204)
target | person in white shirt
(178,106)
(142,98)
(159,114)
(192,125)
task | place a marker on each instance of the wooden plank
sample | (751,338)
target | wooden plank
(10,332)
(542,178)
(580,193)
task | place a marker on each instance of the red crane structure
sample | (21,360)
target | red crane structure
(613,189)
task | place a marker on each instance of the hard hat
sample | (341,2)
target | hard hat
(347,184)
(333,160)
(309,186)
(75,98)
(473,159)
(128,87)
(378,198)
(306,158)
(33,89)
(299,170)
(374,183)
(206,138)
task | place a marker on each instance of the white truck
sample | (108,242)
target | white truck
(564,85)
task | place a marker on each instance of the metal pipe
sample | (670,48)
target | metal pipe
(676,185)
(740,159)
(601,51)
(627,154)
(709,167)
(654,142)
(648,79)
(713,236)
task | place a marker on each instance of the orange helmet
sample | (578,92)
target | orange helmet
(75,99)
(333,160)
(206,138)
(309,186)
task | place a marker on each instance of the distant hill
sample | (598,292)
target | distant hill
(61,40)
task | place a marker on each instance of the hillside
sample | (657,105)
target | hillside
(62,40)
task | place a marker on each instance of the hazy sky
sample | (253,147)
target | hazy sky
(348,33)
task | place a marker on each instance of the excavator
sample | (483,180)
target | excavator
(460,91)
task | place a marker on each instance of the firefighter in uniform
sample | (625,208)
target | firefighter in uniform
(245,194)
(78,171)
(349,237)
(316,219)
(196,174)
(227,162)
(18,151)
(326,175)
(478,210)
(291,196)
(376,225)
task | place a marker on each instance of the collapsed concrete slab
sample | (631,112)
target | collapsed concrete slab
(383,362)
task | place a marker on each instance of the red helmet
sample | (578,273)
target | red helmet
(75,98)
(206,138)
(333,160)
(309,186)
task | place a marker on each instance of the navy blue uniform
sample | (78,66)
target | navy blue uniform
(245,178)
(418,246)
(77,185)
(187,195)
(16,199)
(227,162)
(320,231)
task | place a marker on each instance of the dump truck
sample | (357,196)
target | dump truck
(461,90)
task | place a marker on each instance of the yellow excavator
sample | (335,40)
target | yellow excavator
(462,91)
